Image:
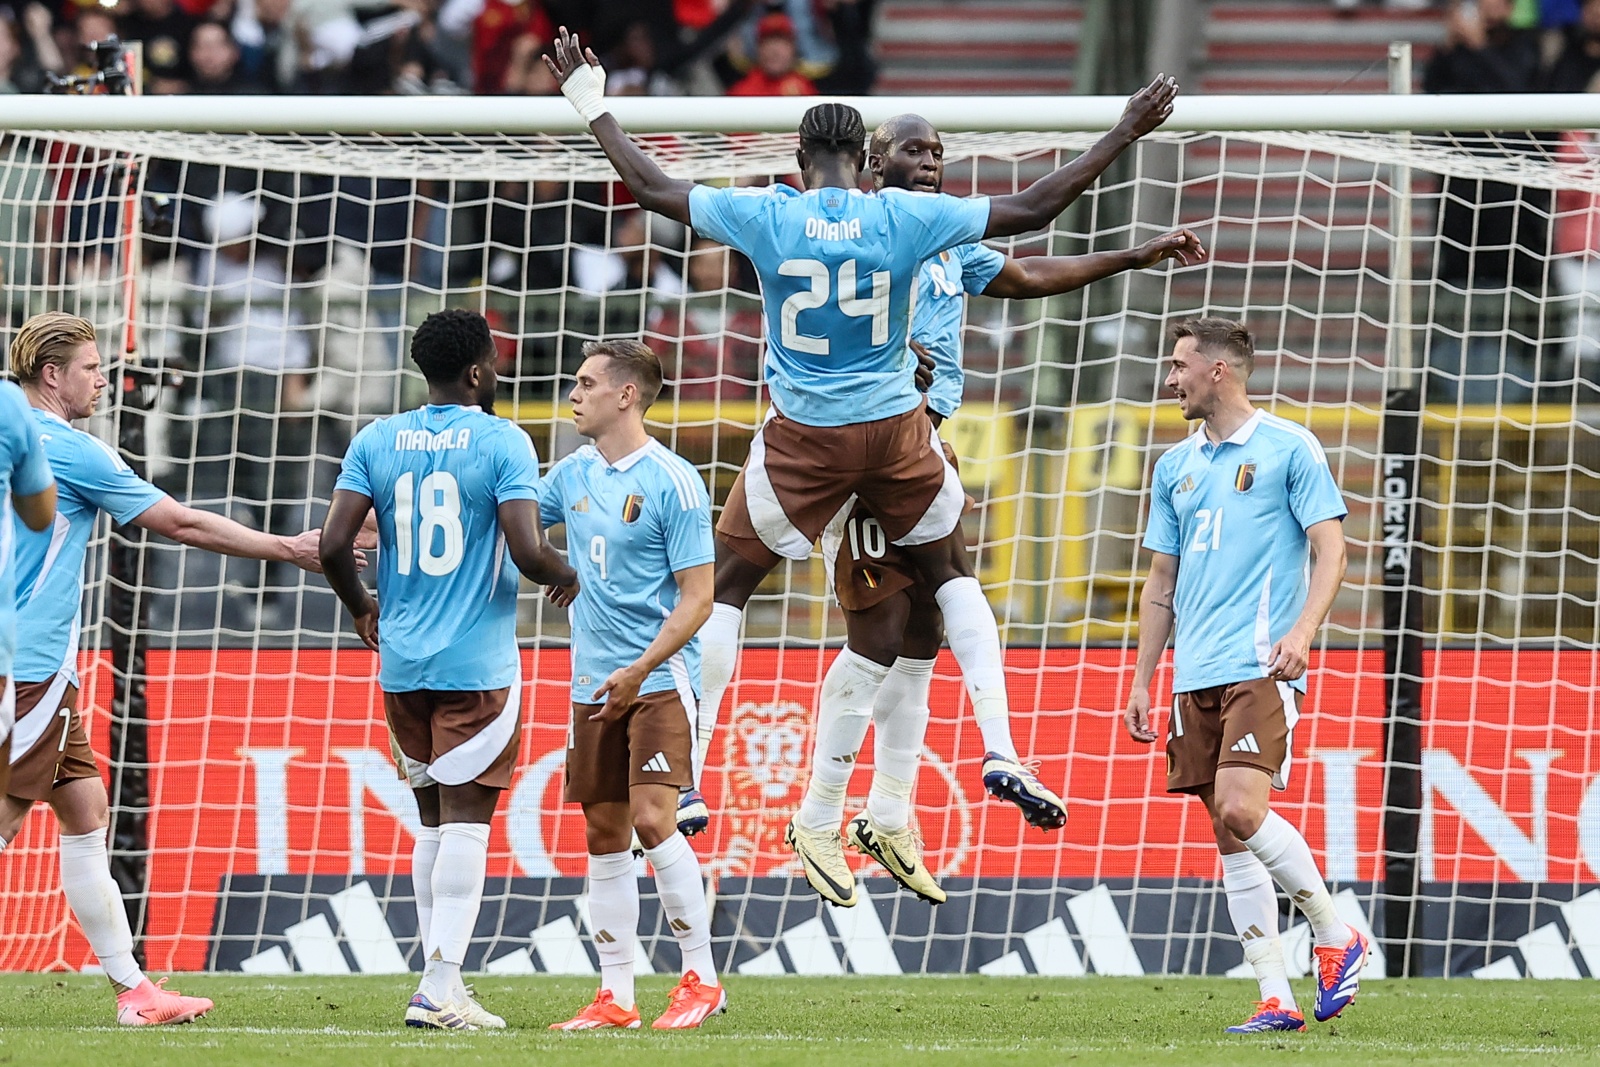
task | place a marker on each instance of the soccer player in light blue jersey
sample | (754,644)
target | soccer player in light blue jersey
(639,530)
(1235,512)
(55,358)
(28,492)
(837,269)
(455,493)
(891,616)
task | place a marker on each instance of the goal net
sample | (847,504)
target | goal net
(1428,306)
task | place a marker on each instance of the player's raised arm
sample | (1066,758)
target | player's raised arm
(347,517)
(1155,628)
(583,82)
(217,533)
(1038,205)
(530,550)
(1038,276)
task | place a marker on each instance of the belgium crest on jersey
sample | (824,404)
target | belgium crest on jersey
(632,508)
(1246,477)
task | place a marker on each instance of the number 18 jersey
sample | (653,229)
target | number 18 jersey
(838,272)
(447,589)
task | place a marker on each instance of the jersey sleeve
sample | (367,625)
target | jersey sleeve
(946,221)
(552,501)
(1161,533)
(516,467)
(725,215)
(686,520)
(101,477)
(1313,494)
(354,474)
(30,467)
(979,265)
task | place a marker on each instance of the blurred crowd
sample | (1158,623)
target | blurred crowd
(486,47)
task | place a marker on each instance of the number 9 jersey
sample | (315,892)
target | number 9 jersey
(839,271)
(447,589)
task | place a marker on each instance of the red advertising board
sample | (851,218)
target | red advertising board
(276,763)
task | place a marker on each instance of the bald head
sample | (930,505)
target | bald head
(907,153)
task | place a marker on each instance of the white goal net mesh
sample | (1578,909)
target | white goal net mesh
(275,283)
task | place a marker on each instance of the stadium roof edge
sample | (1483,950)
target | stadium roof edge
(532,116)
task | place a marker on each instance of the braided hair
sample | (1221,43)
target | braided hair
(832,128)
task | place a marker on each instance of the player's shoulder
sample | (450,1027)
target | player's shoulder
(70,448)
(1174,457)
(573,462)
(676,475)
(1291,435)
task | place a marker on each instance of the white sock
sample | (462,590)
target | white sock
(614,921)
(1285,853)
(899,725)
(848,691)
(457,893)
(719,654)
(424,850)
(1253,906)
(683,898)
(95,900)
(974,639)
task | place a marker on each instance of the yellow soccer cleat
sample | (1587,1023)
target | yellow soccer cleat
(899,852)
(821,853)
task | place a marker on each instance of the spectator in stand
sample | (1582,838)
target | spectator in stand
(712,334)
(505,35)
(631,263)
(855,73)
(774,73)
(165,29)
(1484,53)
(214,57)
(526,74)
(809,30)
(1577,64)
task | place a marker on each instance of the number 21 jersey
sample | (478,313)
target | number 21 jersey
(447,589)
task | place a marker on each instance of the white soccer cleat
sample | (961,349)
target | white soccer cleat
(1006,779)
(427,1015)
(477,1015)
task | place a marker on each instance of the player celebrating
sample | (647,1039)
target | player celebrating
(639,526)
(847,417)
(28,491)
(455,493)
(55,358)
(1232,511)
(890,613)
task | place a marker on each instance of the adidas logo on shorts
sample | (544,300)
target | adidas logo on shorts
(1247,743)
(658,764)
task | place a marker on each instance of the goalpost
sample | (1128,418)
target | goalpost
(286,251)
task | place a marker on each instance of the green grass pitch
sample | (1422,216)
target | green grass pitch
(65,1020)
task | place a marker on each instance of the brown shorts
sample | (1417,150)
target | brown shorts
(1245,724)
(452,737)
(8,717)
(652,744)
(798,477)
(49,745)
(866,567)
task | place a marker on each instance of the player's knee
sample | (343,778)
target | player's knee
(1239,814)
(654,826)
(81,811)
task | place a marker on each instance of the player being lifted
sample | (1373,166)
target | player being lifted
(28,493)
(454,490)
(55,358)
(890,613)
(639,528)
(847,418)
(1232,511)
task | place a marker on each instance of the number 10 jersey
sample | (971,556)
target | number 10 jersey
(447,589)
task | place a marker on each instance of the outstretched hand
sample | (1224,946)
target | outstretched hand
(1150,107)
(1181,245)
(570,57)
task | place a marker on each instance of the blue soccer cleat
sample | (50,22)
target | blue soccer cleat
(1339,976)
(1006,779)
(1270,1015)
(693,813)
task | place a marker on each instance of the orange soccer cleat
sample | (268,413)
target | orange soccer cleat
(692,1003)
(150,1004)
(602,1014)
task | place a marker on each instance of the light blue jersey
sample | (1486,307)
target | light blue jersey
(24,470)
(936,323)
(838,272)
(447,589)
(630,526)
(1236,515)
(90,478)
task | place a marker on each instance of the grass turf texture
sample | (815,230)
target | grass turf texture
(65,1020)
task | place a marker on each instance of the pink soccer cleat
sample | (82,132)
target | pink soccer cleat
(151,1004)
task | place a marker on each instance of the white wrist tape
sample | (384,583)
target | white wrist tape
(586,89)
